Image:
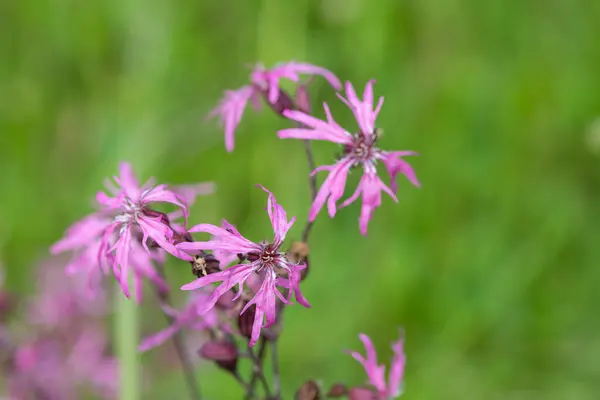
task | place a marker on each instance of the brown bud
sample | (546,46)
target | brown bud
(308,391)
(284,101)
(298,253)
(205,264)
(246,320)
(223,352)
(337,390)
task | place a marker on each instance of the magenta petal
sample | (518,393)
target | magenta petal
(396,369)
(231,109)
(128,181)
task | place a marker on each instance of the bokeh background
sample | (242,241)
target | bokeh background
(492,268)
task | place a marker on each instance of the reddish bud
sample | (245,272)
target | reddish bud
(284,102)
(224,353)
(362,393)
(303,99)
(308,391)
(246,320)
(337,390)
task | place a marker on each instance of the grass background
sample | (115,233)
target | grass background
(492,267)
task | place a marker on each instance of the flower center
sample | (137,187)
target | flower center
(362,150)
(268,257)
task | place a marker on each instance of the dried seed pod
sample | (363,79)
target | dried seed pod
(205,264)
(223,352)
(308,391)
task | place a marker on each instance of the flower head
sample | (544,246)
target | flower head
(359,150)
(265,83)
(265,260)
(376,372)
(120,233)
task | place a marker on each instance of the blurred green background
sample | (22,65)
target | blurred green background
(492,267)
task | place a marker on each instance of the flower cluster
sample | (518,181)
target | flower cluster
(359,148)
(254,280)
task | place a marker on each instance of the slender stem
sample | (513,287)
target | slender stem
(275,362)
(259,371)
(178,342)
(254,378)
(312,181)
(127,337)
(242,382)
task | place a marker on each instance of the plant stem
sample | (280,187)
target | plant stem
(259,371)
(312,182)
(178,342)
(127,336)
(254,378)
(275,363)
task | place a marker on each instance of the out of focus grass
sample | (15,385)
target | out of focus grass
(492,267)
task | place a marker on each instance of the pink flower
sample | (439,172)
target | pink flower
(376,372)
(359,150)
(264,82)
(189,317)
(265,260)
(119,232)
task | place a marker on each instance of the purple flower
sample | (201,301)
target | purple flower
(359,150)
(189,317)
(263,82)
(119,233)
(376,372)
(265,260)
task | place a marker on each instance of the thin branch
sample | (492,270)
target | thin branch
(254,379)
(258,369)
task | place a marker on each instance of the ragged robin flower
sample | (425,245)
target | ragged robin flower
(265,260)
(264,83)
(359,150)
(122,231)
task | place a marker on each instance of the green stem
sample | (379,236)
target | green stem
(127,338)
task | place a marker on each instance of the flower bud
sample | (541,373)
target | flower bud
(362,393)
(308,391)
(302,98)
(284,101)
(223,352)
(337,390)
(246,320)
